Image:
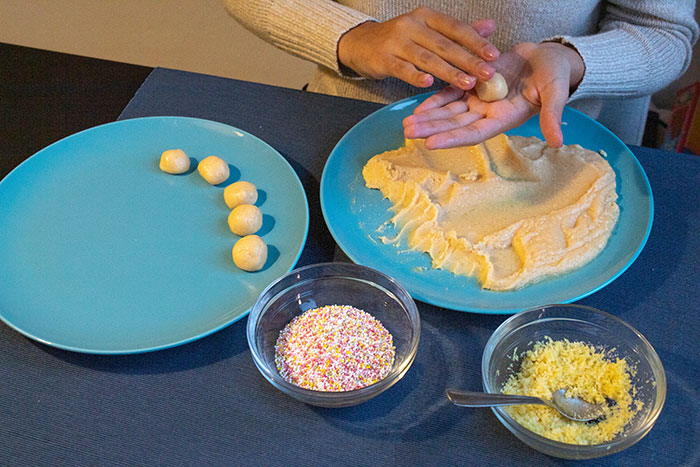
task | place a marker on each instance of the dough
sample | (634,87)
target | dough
(174,161)
(250,253)
(240,193)
(510,211)
(214,170)
(492,90)
(245,219)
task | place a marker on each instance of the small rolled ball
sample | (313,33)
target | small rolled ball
(240,193)
(492,90)
(245,219)
(174,161)
(250,253)
(214,170)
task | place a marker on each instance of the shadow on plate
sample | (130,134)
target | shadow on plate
(234,176)
(262,197)
(268,223)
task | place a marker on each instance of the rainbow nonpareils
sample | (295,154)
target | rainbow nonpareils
(334,348)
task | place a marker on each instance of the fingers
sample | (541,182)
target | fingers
(484,27)
(441,126)
(465,35)
(448,60)
(407,72)
(475,133)
(439,113)
(447,48)
(425,59)
(439,99)
(553,99)
(414,125)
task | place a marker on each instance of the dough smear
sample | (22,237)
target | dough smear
(510,211)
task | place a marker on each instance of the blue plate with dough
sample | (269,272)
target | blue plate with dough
(102,252)
(357,217)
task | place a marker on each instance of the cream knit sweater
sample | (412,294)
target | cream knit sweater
(630,48)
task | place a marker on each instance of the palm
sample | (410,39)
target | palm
(499,116)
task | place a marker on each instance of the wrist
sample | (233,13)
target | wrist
(347,46)
(577,68)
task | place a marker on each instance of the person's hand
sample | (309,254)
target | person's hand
(540,78)
(418,46)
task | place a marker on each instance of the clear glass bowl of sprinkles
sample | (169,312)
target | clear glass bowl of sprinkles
(372,305)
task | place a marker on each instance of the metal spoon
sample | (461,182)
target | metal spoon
(570,407)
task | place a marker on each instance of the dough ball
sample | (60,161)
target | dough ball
(174,161)
(240,193)
(250,253)
(492,90)
(245,219)
(214,170)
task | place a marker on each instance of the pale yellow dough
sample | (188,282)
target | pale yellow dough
(510,212)
(241,192)
(245,219)
(250,253)
(214,170)
(174,161)
(492,90)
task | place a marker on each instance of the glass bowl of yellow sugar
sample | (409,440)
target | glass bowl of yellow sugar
(597,357)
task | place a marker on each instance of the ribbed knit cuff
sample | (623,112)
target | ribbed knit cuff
(316,40)
(613,68)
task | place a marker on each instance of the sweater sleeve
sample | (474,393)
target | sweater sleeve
(309,29)
(642,46)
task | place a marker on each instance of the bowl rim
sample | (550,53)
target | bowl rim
(331,398)
(609,447)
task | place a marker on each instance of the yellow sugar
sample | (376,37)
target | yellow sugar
(588,374)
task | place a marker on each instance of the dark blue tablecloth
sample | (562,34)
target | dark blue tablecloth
(205,403)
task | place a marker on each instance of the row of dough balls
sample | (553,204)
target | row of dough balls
(250,251)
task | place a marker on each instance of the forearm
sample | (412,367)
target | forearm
(641,48)
(309,29)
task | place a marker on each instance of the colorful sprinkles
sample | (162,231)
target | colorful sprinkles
(334,348)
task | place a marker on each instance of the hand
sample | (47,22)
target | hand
(540,78)
(418,46)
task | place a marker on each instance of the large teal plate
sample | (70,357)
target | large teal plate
(101,252)
(356,217)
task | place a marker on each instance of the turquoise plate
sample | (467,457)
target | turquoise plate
(357,216)
(102,252)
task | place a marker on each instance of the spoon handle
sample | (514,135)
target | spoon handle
(483,399)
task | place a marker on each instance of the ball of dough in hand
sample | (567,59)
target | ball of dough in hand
(174,161)
(492,90)
(214,170)
(245,219)
(250,253)
(240,193)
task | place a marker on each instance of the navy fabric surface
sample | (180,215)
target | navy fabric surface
(205,403)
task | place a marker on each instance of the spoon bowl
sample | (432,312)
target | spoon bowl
(570,407)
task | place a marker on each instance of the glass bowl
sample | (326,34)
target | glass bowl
(589,325)
(333,284)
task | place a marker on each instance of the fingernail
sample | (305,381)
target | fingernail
(426,80)
(430,143)
(465,81)
(489,51)
(484,70)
